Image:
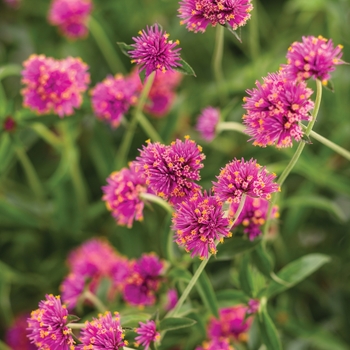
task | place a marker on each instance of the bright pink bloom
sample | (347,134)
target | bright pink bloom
(198,222)
(112,98)
(198,14)
(172,299)
(103,333)
(47,325)
(72,288)
(71,16)
(312,58)
(275,110)
(207,122)
(54,86)
(153,52)
(146,334)
(171,170)
(16,335)
(253,215)
(216,344)
(240,177)
(122,195)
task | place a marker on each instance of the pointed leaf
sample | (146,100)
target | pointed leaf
(72,318)
(185,68)
(234,246)
(125,48)
(296,271)
(142,75)
(180,274)
(134,319)
(268,332)
(234,32)
(262,260)
(172,323)
(245,277)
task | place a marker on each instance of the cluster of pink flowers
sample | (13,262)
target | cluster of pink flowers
(16,335)
(198,14)
(54,86)
(71,17)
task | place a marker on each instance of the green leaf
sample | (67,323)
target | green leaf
(180,274)
(185,68)
(262,261)
(206,292)
(172,323)
(134,319)
(125,48)
(142,75)
(268,330)
(296,271)
(245,277)
(229,297)
(234,32)
(234,246)
(10,69)
(72,318)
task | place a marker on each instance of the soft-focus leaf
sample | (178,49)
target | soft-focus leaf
(185,68)
(262,260)
(245,276)
(179,274)
(234,246)
(134,319)
(172,323)
(268,331)
(125,48)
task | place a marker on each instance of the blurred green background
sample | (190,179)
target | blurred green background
(37,235)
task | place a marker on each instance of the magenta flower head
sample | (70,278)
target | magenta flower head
(71,17)
(170,171)
(72,288)
(154,52)
(198,222)
(312,58)
(122,195)
(47,325)
(216,344)
(16,335)
(146,334)
(207,122)
(253,215)
(239,177)
(112,98)
(54,86)
(103,333)
(275,110)
(198,14)
(172,299)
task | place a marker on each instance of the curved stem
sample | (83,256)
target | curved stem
(239,210)
(108,51)
(47,135)
(148,128)
(218,53)
(155,199)
(95,301)
(126,142)
(254,34)
(76,325)
(233,126)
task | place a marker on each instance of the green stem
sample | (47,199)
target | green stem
(126,142)
(95,301)
(233,126)
(217,57)
(296,155)
(155,199)
(148,128)
(47,135)
(108,51)
(254,34)
(239,210)
(76,325)
(340,150)
(10,69)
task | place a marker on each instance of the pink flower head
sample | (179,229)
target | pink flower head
(104,332)
(72,288)
(216,344)
(48,325)
(253,306)
(143,283)
(240,177)
(54,86)
(16,335)
(122,195)
(312,58)
(198,14)
(275,110)
(170,171)
(207,122)
(70,16)
(146,334)
(152,51)
(231,323)
(198,222)
(253,215)
(172,299)
(112,98)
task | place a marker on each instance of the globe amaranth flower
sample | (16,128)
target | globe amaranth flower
(172,299)
(153,51)
(71,17)
(47,325)
(146,334)
(232,324)
(104,332)
(312,58)
(72,288)
(198,14)
(198,222)
(171,171)
(207,122)
(275,110)
(112,98)
(144,281)
(244,177)
(54,86)
(16,336)
(216,344)
(122,195)
(253,215)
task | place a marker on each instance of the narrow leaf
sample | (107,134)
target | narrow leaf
(245,277)
(234,246)
(234,32)
(268,332)
(262,260)
(125,48)
(296,271)
(172,323)
(180,274)
(185,68)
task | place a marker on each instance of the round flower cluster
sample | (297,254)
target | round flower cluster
(16,335)
(198,14)
(199,221)
(146,334)
(207,122)
(70,16)
(170,171)
(275,110)
(54,86)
